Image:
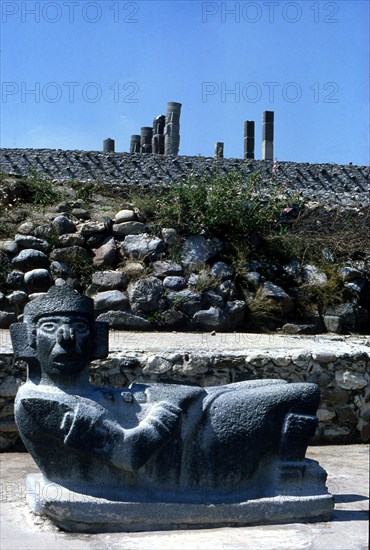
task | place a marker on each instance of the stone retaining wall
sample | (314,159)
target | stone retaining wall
(344,185)
(342,375)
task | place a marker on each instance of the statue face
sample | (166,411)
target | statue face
(63,343)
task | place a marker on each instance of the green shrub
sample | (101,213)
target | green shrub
(221,205)
(206,281)
(82,269)
(85,191)
(147,203)
(317,298)
(40,189)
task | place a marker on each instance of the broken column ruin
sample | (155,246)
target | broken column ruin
(249,139)
(172,129)
(135,143)
(146,139)
(268,136)
(158,135)
(108,145)
(219,150)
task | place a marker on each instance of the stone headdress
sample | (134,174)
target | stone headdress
(58,300)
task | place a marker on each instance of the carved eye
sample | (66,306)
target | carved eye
(81,327)
(48,326)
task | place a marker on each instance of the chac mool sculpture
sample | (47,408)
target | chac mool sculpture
(155,456)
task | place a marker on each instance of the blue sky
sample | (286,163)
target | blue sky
(76,72)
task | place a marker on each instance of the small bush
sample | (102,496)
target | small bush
(263,313)
(148,204)
(345,231)
(82,269)
(206,281)
(316,298)
(85,191)
(222,206)
(40,189)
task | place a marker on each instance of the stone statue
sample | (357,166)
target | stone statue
(198,453)
(172,129)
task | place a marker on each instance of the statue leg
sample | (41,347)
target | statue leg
(245,426)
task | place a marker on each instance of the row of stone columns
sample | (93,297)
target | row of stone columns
(163,138)
(249,139)
(267,137)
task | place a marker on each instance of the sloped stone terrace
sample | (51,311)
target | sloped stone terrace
(344,185)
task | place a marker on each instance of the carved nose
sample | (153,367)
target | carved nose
(65,334)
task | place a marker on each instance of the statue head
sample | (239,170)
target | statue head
(59,333)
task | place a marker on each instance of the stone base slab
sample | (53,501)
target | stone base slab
(76,512)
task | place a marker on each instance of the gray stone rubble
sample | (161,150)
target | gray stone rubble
(201,290)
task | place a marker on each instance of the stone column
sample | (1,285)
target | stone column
(249,139)
(108,145)
(219,150)
(172,129)
(135,143)
(159,124)
(268,136)
(146,139)
(158,135)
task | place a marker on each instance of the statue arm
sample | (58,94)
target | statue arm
(136,446)
(128,449)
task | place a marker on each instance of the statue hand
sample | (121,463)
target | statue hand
(84,430)
(163,419)
(141,443)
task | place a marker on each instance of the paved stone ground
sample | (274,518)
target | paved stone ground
(229,342)
(154,342)
(347,468)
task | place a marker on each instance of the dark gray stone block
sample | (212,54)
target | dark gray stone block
(124,320)
(30,259)
(109,280)
(29,241)
(211,318)
(80,513)
(108,145)
(167,268)
(135,143)
(198,250)
(222,271)
(146,139)
(173,282)
(38,280)
(110,300)
(62,224)
(142,246)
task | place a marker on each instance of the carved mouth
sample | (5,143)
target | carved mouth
(66,358)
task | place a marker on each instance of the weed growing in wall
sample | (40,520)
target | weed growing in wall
(82,269)
(317,298)
(206,281)
(85,191)
(40,189)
